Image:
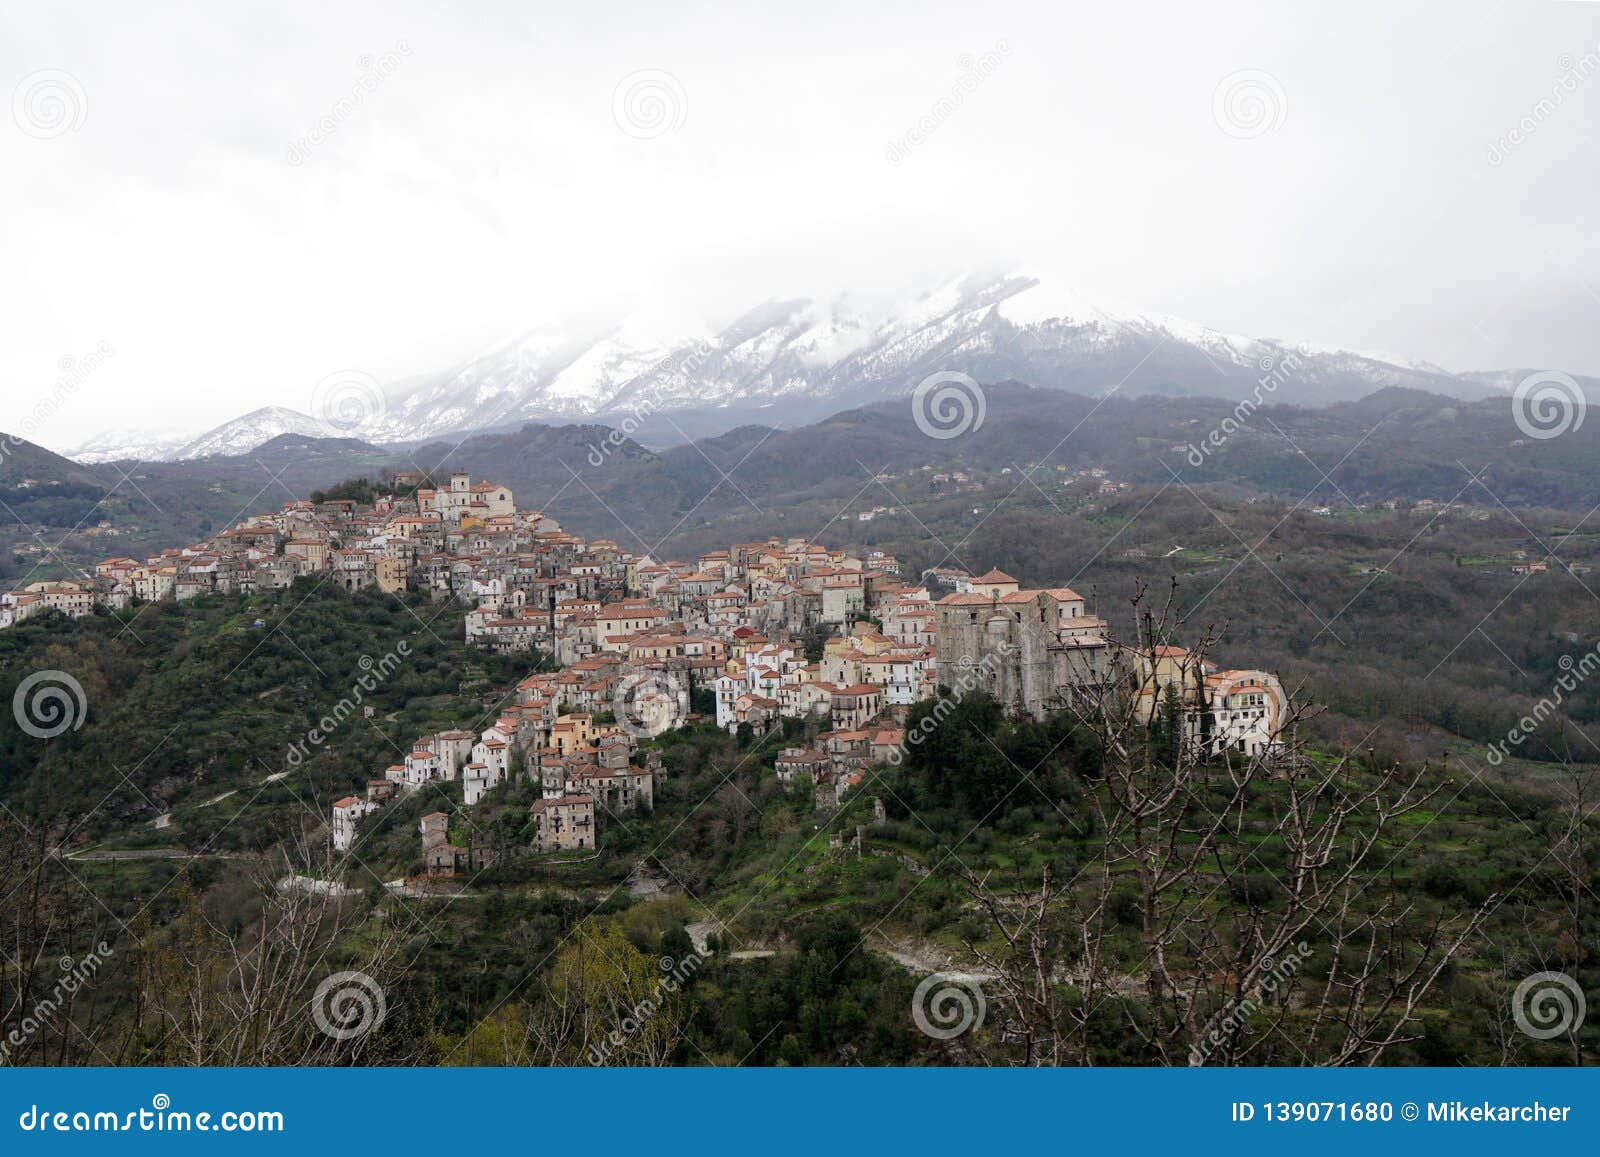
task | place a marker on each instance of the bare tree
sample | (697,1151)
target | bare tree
(53,944)
(1260,933)
(1569,850)
(278,992)
(1050,939)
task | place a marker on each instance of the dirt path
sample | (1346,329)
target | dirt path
(146,854)
(924,958)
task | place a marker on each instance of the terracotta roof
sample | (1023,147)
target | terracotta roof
(966,600)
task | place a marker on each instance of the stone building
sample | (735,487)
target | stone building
(563,823)
(1030,649)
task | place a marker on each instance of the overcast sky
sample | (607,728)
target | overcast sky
(176,205)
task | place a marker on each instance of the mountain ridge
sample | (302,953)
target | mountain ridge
(799,359)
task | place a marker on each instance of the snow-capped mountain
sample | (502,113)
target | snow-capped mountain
(828,355)
(131,445)
(546,373)
(1506,381)
(799,359)
(244,434)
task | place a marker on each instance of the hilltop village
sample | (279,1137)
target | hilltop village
(784,629)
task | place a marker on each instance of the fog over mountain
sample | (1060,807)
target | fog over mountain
(1273,171)
(784,361)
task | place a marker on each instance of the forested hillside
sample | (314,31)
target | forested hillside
(186,703)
